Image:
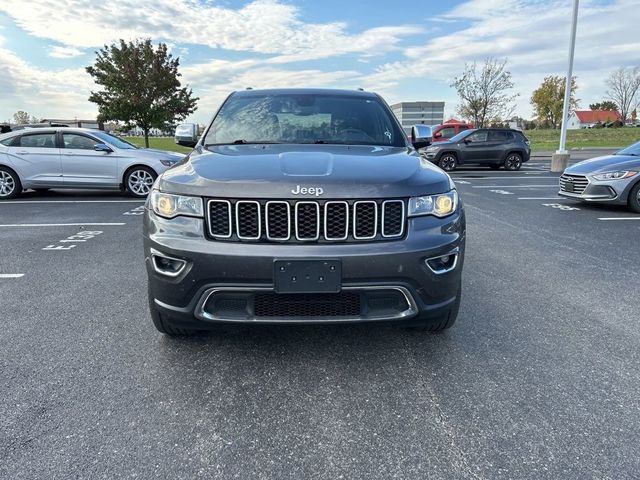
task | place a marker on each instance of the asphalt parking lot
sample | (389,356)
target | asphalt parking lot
(538,379)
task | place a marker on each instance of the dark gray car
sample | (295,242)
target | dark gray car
(303,206)
(611,179)
(493,147)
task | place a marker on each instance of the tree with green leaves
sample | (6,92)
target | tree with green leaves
(485,92)
(604,105)
(140,86)
(548,100)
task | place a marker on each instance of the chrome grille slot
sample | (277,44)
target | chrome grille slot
(278,220)
(220,218)
(307,221)
(248,221)
(392,218)
(579,182)
(336,220)
(294,221)
(365,220)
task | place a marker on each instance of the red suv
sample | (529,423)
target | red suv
(442,133)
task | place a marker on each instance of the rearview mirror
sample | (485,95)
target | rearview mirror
(102,147)
(187,134)
(421,136)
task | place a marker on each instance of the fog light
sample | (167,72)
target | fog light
(443,263)
(165,265)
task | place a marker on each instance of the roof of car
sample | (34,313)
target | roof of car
(49,129)
(305,91)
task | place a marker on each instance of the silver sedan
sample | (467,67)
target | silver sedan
(44,158)
(611,179)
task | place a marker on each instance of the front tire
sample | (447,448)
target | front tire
(10,185)
(448,162)
(513,162)
(634,198)
(139,180)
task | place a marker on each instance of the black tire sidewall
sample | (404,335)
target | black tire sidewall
(17,189)
(448,155)
(634,201)
(519,164)
(128,174)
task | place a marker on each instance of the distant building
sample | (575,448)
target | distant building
(588,118)
(413,113)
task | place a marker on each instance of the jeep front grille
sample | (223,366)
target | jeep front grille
(579,183)
(305,220)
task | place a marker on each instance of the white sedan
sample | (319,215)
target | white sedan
(63,157)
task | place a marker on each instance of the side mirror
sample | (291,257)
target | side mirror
(102,147)
(421,136)
(187,135)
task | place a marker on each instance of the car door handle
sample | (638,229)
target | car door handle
(22,152)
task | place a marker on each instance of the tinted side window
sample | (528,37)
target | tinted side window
(78,142)
(462,128)
(37,140)
(7,141)
(497,136)
(478,137)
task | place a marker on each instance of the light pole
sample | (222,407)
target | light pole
(560,159)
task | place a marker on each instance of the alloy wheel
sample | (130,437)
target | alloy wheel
(7,184)
(140,182)
(513,162)
(448,163)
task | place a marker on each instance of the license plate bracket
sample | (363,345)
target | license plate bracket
(307,276)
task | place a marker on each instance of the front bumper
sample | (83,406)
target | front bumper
(610,191)
(377,272)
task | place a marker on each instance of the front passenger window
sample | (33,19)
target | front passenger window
(78,142)
(477,137)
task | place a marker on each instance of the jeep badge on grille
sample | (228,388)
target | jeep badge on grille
(317,191)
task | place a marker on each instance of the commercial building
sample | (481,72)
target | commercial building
(413,113)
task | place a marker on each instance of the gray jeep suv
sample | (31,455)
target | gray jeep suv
(304,206)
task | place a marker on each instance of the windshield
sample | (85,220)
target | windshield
(305,119)
(631,150)
(115,141)
(461,135)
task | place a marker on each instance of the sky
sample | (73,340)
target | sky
(404,50)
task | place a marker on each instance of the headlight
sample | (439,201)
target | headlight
(439,205)
(614,175)
(168,163)
(432,148)
(170,206)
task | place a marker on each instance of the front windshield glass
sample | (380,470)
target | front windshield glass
(461,135)
(631,150)
(305,119)
(115,141)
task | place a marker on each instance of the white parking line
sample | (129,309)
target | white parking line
(619,218)
(11,275)
(13,202)
(516,186)
(62,224)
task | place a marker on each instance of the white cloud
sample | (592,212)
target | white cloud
(534,36)
(41,92)
(261,26)
(65,52)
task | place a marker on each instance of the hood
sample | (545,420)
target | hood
(607,163)
(304,171)
(154,154)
